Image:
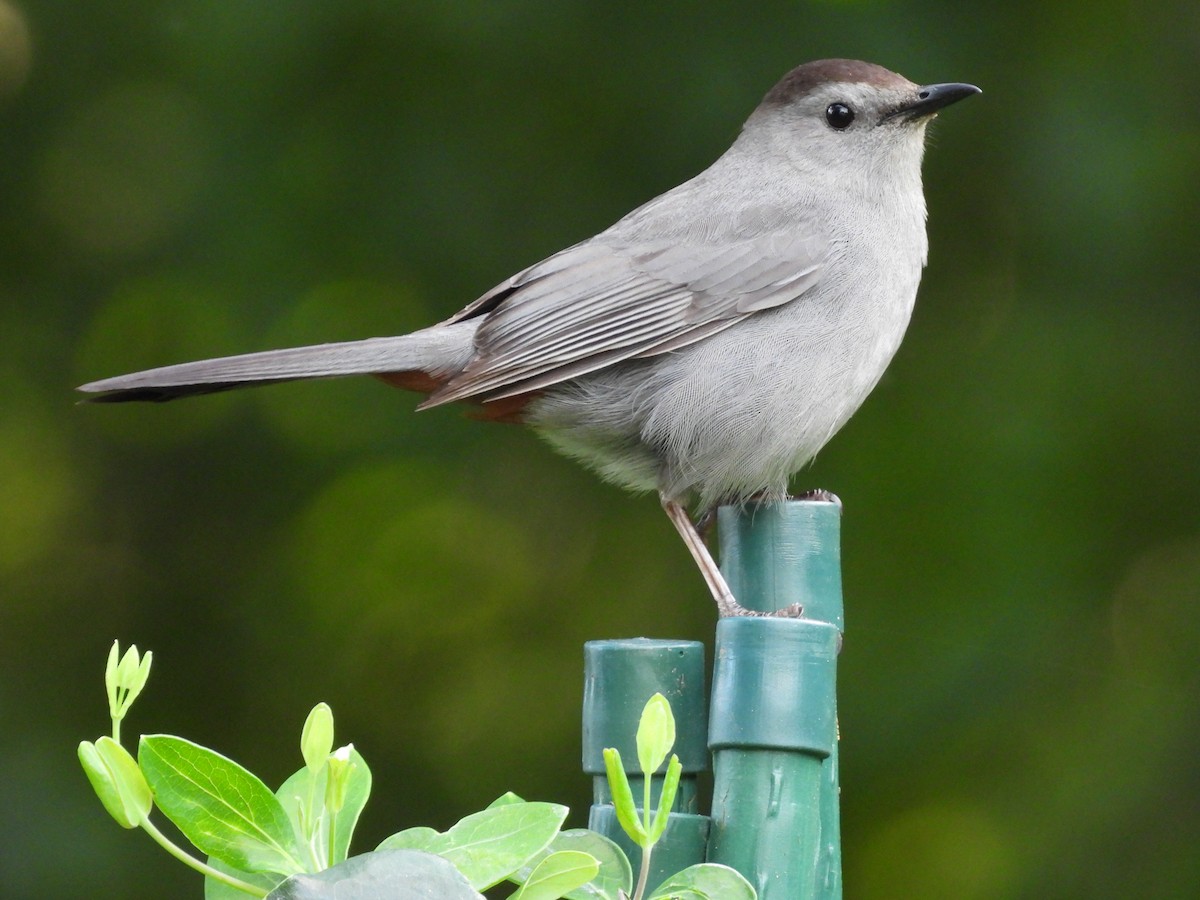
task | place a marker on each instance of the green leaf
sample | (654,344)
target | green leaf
(683,894)
(135,792)
(490,845)
(666,799)
(557,874)
(218,890)
(615,878)
(706,881)
(613,881)
(294,793)
(117,781)
(418,838)
(508,798)
(104,783)
(622,794)
(655,734)
(316,738)
(222,808)
(302,797)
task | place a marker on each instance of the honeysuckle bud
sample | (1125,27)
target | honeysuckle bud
(340,768)
(316,740)
(125,678)
(655,734)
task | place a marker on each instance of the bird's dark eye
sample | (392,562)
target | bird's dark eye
(839,115)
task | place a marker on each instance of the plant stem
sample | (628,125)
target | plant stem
(203,868)
(646,802)
(310,824)
(332,837)
(314,855)
(643,873)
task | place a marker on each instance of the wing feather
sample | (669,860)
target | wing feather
(606,300)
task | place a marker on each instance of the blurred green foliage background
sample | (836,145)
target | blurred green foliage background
(182,179)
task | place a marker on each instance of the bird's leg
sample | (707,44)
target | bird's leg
(727,604)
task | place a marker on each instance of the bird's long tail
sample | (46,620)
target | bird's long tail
(428,356)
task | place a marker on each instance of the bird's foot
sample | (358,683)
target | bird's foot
(820,495)
(792,611)
(727,604)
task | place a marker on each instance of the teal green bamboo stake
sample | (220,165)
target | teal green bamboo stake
(619,677)
(773,724)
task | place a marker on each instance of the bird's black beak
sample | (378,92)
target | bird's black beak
(930,99)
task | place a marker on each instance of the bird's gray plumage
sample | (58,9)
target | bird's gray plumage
(607,300)
(710,342)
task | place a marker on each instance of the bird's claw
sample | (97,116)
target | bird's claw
(791,611)
(820,495)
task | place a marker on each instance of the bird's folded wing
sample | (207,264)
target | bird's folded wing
(600,302)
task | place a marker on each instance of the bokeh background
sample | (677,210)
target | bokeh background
(180,179)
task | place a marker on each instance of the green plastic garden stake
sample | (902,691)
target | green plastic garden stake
(773,725)
(619,677)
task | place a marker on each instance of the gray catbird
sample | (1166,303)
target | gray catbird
(708,344)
